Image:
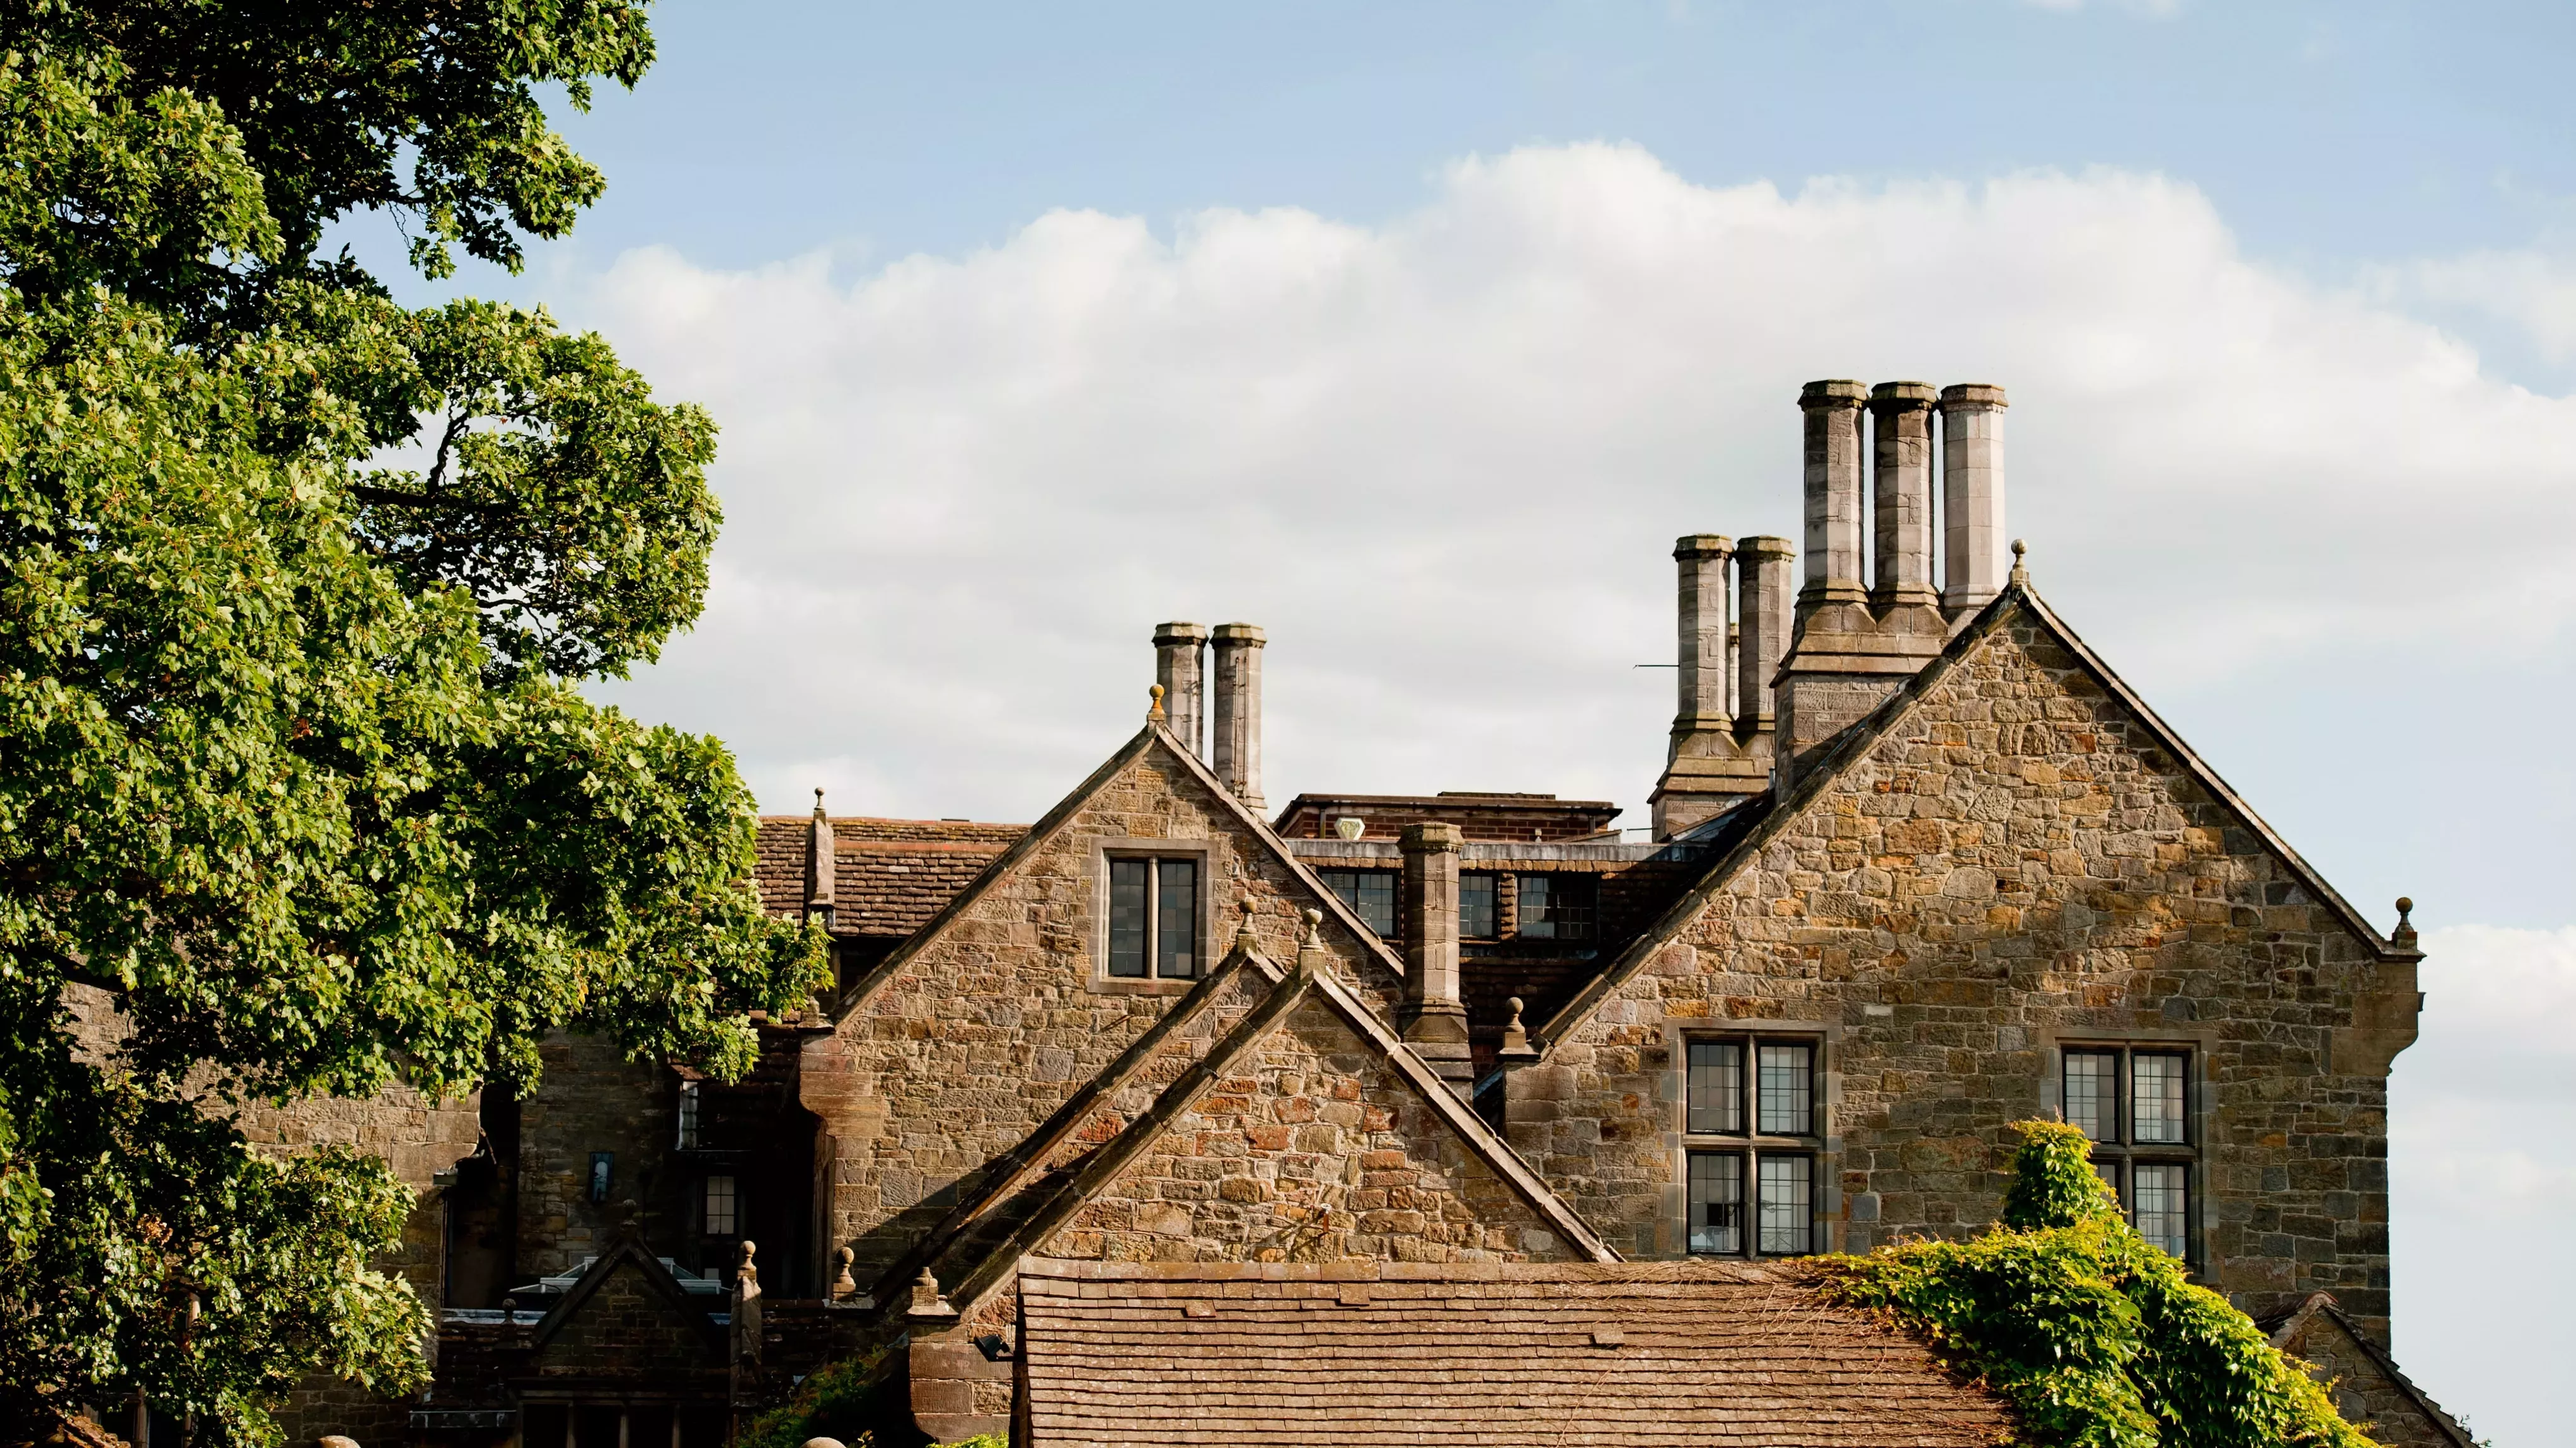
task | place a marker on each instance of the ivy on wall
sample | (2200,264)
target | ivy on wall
(2090,1332)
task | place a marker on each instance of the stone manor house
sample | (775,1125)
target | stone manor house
(1468,1117)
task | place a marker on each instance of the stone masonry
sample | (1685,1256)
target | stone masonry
(2014,860)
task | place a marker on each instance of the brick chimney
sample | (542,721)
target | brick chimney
(1972,497)
(1180,652)
(1434,1019)
(1235,722)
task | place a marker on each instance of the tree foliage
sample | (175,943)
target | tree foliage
(300,791)
(2093,1334)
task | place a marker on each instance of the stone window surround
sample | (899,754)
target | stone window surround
(2199,1111)
(1097,979)
(1825,1189)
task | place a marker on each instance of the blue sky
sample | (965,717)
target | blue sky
(1416,332)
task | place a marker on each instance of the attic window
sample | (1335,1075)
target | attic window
(1153,919)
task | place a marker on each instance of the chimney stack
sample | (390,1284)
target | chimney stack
(1236,719)
(1179,666)
(1705,616)
(1972,496)
(1901,464)
(1764,563)
(1832,411)
(1434,1018)
(821,866)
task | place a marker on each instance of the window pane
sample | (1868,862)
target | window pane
(1536,920)
(1558,907)
(2163,1205)
(2093,1093)
(1788,1105)
(1786,1215)
(1716,1087)
(2156,1087)
(1477,917)
(688,1115)
(1376,902)
(1127,917)
(1176,919)
(1716,1202)
(720,1206)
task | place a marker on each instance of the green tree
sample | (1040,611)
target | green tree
(2094,1335)
(298,792)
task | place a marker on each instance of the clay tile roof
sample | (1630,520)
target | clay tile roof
(893,875)
(1474,1353)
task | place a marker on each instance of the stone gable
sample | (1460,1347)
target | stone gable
(1310,1148)
(995,1015)
(627,1327)
(2017,858)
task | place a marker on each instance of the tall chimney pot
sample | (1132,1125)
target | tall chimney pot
(1705,706)
(1236,719)
(1180,653)
(1972,496)
(1901,464)
(1434,1017)
(1832,411)
(1763,563)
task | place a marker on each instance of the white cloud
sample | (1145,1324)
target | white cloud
(2532,291)
(1442,460)
(2482,1146)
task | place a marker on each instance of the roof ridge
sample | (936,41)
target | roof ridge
(1016,1167)
(626,1248)
(1461,1118)
(1838,752)
(1112,1157)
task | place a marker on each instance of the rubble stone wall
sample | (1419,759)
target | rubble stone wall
(2015,863)
(999,1015)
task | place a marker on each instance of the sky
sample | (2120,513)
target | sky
(1416,333)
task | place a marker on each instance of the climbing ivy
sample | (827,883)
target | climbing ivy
(2088,1330)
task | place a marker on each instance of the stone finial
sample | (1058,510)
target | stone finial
(335,1440)
(1154,711)
(743,1270)
(2021,567)
(2403,937)
(1350,827)
(823,1443)
(1310,951)
(1244,939)
(843,1285)
(926,1300)
(818,801)
(1515,1035)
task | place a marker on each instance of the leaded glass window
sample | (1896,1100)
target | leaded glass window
(2160,1205)
(2136,1103)
(1557,907)
(1761,1093)
(1369,893)
(722,1217)
(2156,1090)
(1787,1213)
(1480,916)
(1716,1087)
(1717,1202)
(1153,919)
(2093,1093)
